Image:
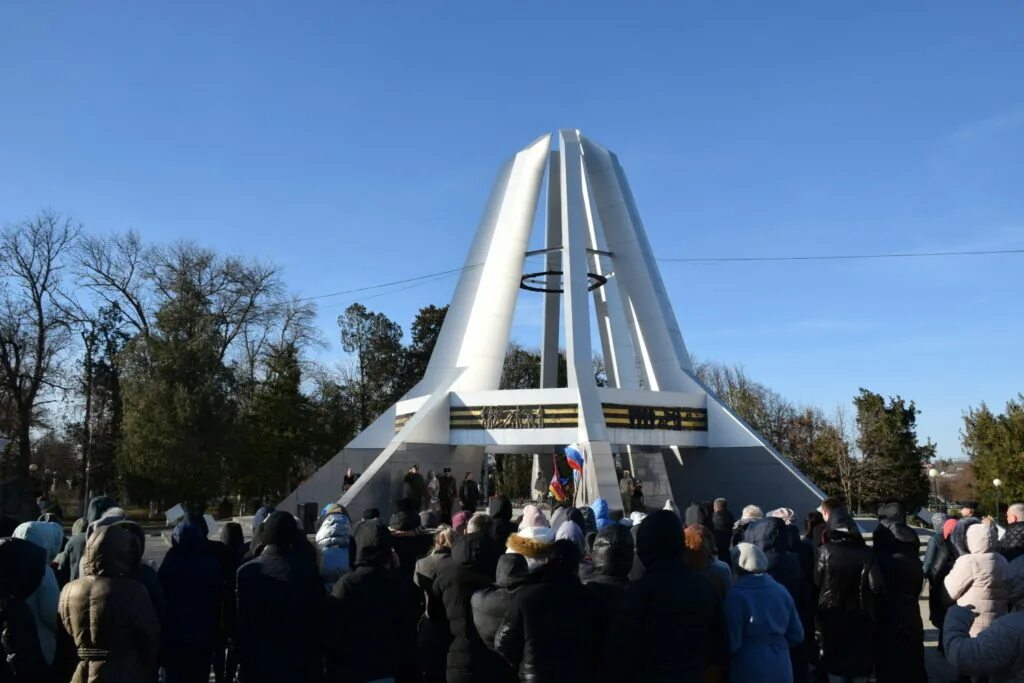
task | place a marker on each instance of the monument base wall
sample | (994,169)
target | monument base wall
(745,475)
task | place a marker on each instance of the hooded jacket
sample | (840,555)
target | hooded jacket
(144,573)
(978,579)
(571,531)
(532,635)
(601,513)
(900,633)
(333,539)
(848,579)
(193,585)
(489,606)
(958,537)
(108,615)
(43,601)
(722,522)
(500,510)
(21,571)
(71,562)
(675,620)
(763,626)
(470,569)
(372,615)
(280,608)
(996,652)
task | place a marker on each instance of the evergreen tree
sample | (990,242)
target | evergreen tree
(893,461)
(995,444)
(179,414)
(376,341)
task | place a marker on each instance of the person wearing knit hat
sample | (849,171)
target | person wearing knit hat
(533,516)
(533,543)
(459,521)
(762,618)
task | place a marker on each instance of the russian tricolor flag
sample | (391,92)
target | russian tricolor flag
(574,456)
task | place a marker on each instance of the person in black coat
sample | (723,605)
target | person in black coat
(193,584)
(470,569)
(406,540)
(500,510)
(489,606)
(469,493)
(372,616)
(1011,545)
(533,637)
(612,557)
(847,578)
(722,521)
(280,608)
(772,536)
(225,662)
(900,634)
(675,621)
(21,571)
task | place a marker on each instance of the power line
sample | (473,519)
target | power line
(839,257)
(439,275)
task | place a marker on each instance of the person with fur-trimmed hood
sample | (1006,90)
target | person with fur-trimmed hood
(533,543)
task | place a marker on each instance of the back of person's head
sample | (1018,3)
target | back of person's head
(231,534)
(563,560)
(721,504)
(830,504)
(190,533)
(477,551)
(110,552)
(22,565)
(612,551)
(512,570)
(533,516)
(1016,510)
(280,530)
(752,512)
(695,514)
(47,535)
(335,532)
(459,521)
(660,538)
(373,544)
(812,520)
(428,519)
(444,538)
(371,513)
(698,554)
(480,521)
(747,558)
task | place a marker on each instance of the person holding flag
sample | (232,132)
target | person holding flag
(555,488)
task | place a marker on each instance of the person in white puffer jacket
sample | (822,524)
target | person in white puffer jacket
(333,539)
(978,579)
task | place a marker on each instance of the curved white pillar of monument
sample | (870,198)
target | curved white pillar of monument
(474,336)
(657,336)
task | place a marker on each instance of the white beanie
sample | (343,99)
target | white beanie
(749,558)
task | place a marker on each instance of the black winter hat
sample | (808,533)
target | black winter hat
(373,543)
(612,551)
(660,538)
(279,529)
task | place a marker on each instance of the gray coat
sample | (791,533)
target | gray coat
(997,652)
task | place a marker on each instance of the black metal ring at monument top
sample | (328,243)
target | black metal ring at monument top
(596,280)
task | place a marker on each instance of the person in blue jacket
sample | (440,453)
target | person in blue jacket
(763,622)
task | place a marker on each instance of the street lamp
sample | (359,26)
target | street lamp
(932,474)
(997,483)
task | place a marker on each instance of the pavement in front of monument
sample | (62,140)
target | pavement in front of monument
(939,670)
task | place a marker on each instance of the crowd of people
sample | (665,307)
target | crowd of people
(582,594)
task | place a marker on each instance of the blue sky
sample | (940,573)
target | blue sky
(355,143)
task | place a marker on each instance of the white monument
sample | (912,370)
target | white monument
(666,426)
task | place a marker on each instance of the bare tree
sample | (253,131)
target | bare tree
(34,329)
(114,269)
